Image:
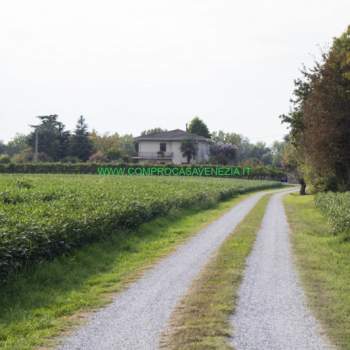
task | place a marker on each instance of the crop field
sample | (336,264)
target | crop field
(42,216)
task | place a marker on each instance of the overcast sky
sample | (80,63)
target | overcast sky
(130,65)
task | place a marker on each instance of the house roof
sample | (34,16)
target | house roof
(172,135)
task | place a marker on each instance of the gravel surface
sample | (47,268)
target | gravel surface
(271,313)
(138,315)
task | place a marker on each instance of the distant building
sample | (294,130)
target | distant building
(165,147)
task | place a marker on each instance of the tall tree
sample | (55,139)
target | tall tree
(2,147)
(327,117)
(320,119)
(52,136)
(198,127)
(277,150)
(260,153)
(295,152)
(80,144)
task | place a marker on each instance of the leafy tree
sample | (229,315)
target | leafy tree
(152,131)
(113,147)
(53,138)
(25,156)
(18,144)
(104,142)
(2,147)
(320,119)
(189,149)
(223,153)
(277,153)
(327,118)
(63,141)
(198,127)
(80,143)
(294,154)
(260,153)
(227,137)
(4,159)
(257,153)
(127,145)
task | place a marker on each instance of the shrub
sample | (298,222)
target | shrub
(98,157)
(5,159)
(336,207)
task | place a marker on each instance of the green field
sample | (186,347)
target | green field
(54,295)
(42,216)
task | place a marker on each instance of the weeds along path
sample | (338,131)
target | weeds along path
(271,311)
(138,315)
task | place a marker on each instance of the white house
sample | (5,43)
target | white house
(165,147)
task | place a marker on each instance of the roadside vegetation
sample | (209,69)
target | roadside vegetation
(202,320)
(318,144)
(323,261)
(336,207)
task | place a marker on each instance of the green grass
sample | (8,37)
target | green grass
(46,300)
(202,319)
(323,261)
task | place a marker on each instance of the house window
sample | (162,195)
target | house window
(162,147)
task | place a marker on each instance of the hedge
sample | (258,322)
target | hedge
(44,216)
(336,207)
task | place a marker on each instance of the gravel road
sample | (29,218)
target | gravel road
(271,313)
(138,315)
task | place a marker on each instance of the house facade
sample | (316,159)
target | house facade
(165,147)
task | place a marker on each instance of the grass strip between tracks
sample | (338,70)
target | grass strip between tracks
(202,319)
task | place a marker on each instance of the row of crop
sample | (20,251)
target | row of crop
(336,207)
(44,216)
(257,172)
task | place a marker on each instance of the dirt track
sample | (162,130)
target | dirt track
(272,312)
(137,316)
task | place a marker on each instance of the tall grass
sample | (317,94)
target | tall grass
(336,207)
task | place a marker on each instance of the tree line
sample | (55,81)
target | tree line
(57,144)
(228,147)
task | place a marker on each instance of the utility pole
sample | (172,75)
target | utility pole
(36,145)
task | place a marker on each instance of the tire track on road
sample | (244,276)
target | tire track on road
(272,313)
(137,316)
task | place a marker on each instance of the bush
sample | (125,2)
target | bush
(98,157)
(336,207)
(71,159)
(5,159)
